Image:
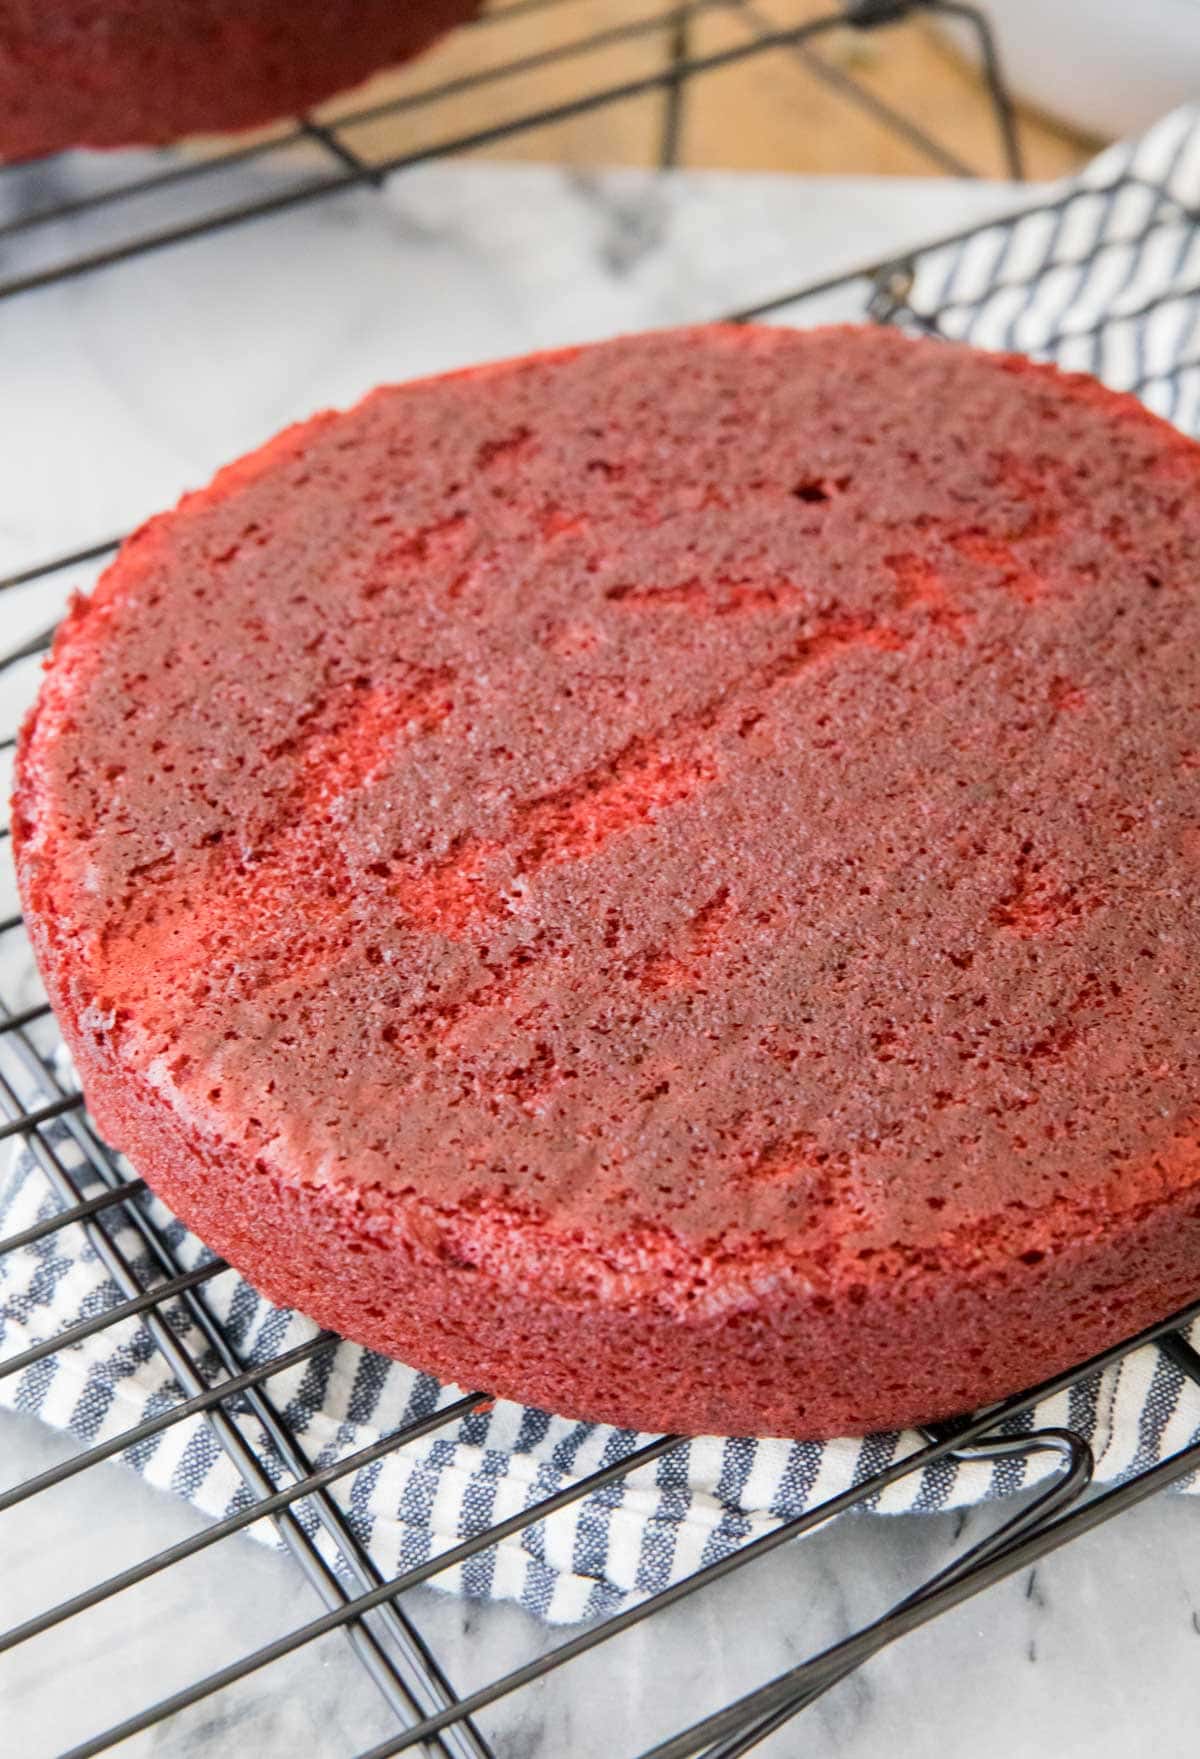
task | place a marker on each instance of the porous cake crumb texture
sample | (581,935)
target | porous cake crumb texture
(659,879)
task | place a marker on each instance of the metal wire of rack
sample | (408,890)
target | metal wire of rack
(91,1186)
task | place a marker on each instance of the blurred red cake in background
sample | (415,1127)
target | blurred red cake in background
(110,73)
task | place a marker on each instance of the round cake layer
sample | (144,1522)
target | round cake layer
(660,879)
(107,73)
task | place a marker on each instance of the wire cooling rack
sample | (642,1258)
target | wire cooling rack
(187,196)
(91,1186)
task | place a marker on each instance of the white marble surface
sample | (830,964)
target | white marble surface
(120,390)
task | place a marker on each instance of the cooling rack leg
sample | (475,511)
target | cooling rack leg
(1078,1466)
(989,60)
(673,97)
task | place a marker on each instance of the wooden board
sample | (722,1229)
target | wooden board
(772,112)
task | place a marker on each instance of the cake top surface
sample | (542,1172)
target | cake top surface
(719,785)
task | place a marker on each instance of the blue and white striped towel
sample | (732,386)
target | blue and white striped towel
(1089,286)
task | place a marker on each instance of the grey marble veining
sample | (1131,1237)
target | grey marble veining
(119,391)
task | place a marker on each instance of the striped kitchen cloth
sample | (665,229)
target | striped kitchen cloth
(1105,280)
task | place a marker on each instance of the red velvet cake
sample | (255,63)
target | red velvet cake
(110,73)
(658,880)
